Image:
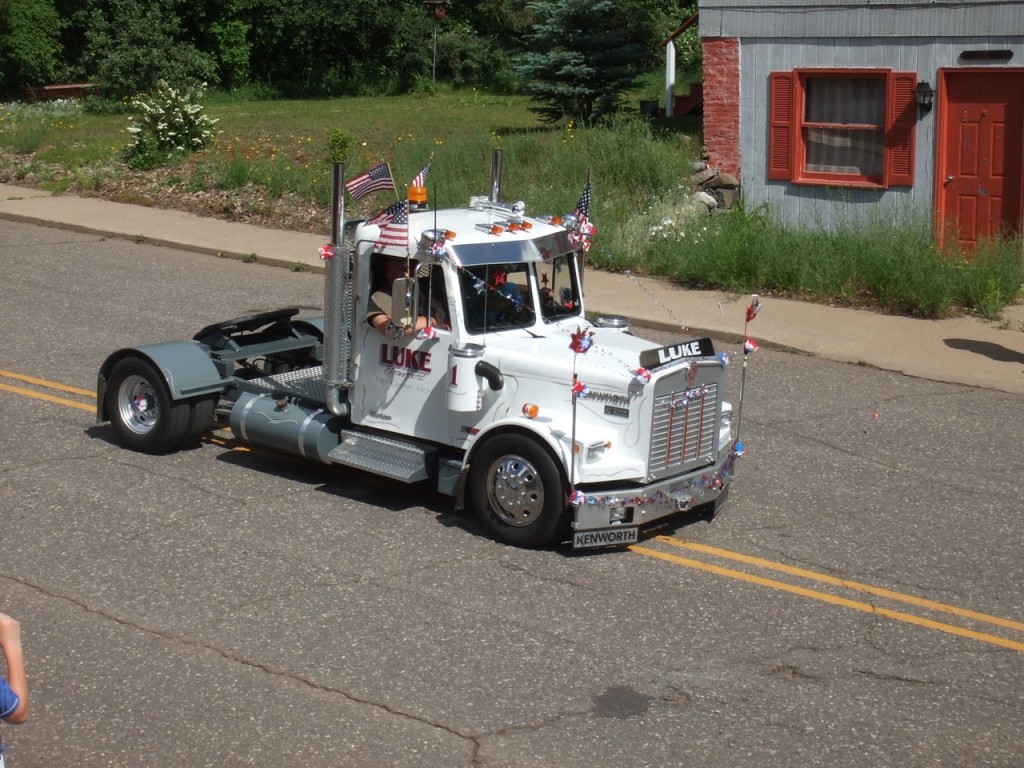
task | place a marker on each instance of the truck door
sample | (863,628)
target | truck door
(400,385)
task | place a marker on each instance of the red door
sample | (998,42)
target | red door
(981,154)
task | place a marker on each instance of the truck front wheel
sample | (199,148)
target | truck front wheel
(141,410)
(517,490)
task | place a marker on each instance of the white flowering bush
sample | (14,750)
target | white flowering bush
(689,228)
(170,121)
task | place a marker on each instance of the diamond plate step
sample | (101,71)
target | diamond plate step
(384,456)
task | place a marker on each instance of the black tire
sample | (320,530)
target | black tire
(518,491)
(201,415)
(144,417)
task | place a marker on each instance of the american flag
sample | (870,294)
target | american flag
(580,237)
(375,179)
(394,226)
(583,206)
(421,180)
(386,215)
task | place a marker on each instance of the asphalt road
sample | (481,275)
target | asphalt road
(857,604)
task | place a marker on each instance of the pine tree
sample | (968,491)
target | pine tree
(582,59)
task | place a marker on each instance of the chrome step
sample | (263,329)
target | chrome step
(385,456)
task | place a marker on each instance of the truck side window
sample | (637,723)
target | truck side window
(384,270)
(434,295)
(559,293)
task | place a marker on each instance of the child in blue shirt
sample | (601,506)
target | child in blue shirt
(13,690)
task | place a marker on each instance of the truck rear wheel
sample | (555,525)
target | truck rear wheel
(202,411)
(517,490)
(142,413)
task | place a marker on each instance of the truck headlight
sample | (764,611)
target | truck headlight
(620,515)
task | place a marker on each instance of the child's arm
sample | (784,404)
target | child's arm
(10,644)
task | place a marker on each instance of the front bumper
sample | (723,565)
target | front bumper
(631,507)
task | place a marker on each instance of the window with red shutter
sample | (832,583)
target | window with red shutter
(780,132)
(842,127)
(903,109)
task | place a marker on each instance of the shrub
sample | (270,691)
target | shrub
(122,40)
(171,122)
(30,49)
(340,144)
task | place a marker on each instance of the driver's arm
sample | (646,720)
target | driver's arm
(381,320)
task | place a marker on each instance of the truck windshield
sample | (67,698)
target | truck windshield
(497,297)
(559,289)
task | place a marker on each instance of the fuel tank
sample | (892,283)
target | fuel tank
(262,420)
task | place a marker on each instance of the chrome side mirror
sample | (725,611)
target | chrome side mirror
(403,302)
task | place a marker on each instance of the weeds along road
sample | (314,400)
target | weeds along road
(858,602)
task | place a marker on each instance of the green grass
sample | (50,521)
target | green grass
(882,263)
(642,207)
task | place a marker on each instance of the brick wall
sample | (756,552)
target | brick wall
(722,103)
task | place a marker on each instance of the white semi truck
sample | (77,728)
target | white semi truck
(488,381)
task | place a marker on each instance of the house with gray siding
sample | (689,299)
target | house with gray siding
(830,110)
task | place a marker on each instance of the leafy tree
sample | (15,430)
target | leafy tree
(465,58)
(502,24)
(30,48)
(581,59)
(335,47)
(338,47)
(222,29)
(75,15)
(134,44)
(688,46)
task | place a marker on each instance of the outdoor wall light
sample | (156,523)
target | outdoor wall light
(923,95)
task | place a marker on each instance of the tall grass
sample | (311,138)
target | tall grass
(629,161)
(884,262)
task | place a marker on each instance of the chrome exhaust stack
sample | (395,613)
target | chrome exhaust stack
(495,196)
(336,293)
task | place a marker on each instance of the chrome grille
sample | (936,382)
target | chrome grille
(684,427)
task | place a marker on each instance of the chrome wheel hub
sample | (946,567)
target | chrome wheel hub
(514,491)
(137,405)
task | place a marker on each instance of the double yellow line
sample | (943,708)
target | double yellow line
(47,385)
(751,563)
(839,583)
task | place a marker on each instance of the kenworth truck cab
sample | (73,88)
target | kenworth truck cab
(488,381)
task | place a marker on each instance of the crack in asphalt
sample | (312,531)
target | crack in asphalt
(893,677)
(227,655)
(618,702)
